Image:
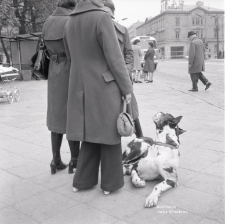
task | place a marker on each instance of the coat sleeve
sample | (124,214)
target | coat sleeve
(147,54)
(191,54)
(66,44)
(128,52)
(108,41)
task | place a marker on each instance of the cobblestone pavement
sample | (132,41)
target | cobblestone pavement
(31,195)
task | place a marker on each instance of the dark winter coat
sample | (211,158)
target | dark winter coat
(58,77)
(126,48)
(149,60)
(98,76)
(196,60)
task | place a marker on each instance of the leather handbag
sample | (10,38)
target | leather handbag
(125,123)
(40,62)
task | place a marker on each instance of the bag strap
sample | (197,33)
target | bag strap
(127,108)
(124,106)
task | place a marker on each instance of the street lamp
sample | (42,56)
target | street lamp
(121,20)
(217,31)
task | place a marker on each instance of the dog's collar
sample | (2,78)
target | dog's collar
(165,144)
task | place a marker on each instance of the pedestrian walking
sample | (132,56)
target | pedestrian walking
(137,61)
(196,63)
(149,66)
(126,48)
(58,83)
(98,80)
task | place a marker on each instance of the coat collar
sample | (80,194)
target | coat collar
(60,11)
(85,7)
(194,39)
(119,27)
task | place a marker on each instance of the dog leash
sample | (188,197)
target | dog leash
(165,144)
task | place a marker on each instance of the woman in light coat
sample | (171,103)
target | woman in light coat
(58,83)
(149,66)
(137,61)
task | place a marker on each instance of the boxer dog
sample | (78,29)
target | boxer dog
(150,159)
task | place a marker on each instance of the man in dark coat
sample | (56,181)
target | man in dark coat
(126,48)
(196,63)
(58,83)
(98,80)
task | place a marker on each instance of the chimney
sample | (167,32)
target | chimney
(199,3)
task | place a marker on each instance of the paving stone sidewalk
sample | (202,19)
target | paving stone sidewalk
(31,195)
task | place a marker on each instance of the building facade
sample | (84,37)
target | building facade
(132,30)
(171,26)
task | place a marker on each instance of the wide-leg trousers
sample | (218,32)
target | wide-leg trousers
(91,155)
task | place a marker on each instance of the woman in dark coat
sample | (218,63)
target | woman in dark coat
(98,80)
(126,48)
(58,82)
(149,66)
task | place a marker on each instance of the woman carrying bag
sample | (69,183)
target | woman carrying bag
(149,66)
(58,84)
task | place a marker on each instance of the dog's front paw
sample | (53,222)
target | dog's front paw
(151,201)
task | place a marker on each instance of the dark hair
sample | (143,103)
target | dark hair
(136,41)
(66,4)
(151,44)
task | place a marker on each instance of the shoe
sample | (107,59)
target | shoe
(75,189)
(106,192)
(193,90)
(72,165)
(139,82)
(151,81)
(57,164)
(208,84)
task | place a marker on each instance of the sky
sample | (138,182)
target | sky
(138,10)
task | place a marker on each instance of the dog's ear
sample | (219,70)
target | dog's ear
(176,120)
(181,131)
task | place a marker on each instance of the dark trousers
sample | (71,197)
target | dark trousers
(195,77)
(91,154)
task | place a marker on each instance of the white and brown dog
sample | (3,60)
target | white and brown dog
(149,159)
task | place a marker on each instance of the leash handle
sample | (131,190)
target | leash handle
(127,108)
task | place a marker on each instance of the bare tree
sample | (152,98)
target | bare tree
(7,19)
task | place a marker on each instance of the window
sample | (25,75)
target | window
(215,49)
(177,34)
(177,21)
(201,34)
(197,21)
(197,34)
(193,21)
(202,23)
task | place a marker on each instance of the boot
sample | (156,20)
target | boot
(74,150)
(72,165)
(56,163)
